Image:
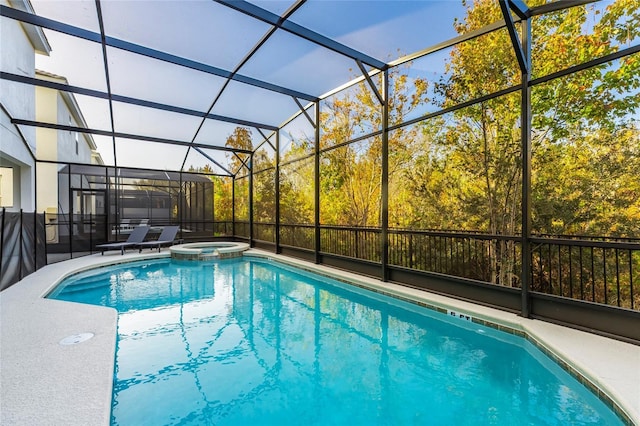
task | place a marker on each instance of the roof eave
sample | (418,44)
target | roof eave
(35,34)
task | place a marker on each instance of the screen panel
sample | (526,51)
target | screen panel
(181,28)
(138,120)
(160,81)
(149,155)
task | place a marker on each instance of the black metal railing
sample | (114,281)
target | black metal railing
(242,229)
(357,242)
(223,228)
(191,230)
(297,235)
(594,269)
(489,258)
(599,270)
(264,231)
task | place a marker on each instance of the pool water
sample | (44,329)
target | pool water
(251,342)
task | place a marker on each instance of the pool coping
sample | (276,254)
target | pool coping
(43,382)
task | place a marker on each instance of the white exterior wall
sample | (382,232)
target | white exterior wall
(18,101)
(14,154)
(18,57)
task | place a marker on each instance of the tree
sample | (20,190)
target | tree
(585,125)
(264,190)
(351,175)
(239,164)
(467,174)
(222,198)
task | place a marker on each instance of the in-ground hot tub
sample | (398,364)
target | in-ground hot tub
(208,250)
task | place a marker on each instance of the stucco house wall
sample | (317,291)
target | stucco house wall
(19,43)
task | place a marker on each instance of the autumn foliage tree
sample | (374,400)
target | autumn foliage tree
(351,174)
(585,124)
(461,171)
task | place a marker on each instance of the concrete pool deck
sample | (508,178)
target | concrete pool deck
(44,382)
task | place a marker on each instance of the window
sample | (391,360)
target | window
(6,187)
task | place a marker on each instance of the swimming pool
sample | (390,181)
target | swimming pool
(251,342)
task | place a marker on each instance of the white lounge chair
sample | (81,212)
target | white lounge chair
(136,237)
